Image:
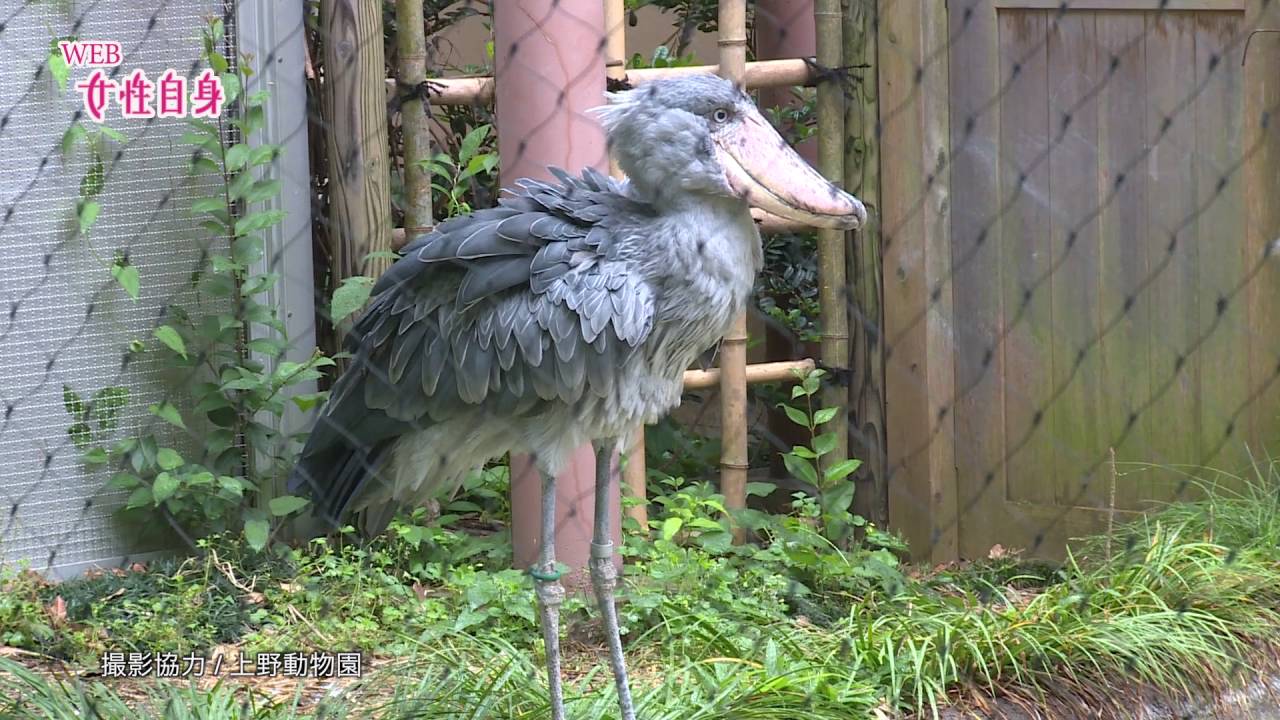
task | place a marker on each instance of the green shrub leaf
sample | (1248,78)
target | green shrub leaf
(350,297)
(170,337)
(671,526)
(286,504)
(164,487)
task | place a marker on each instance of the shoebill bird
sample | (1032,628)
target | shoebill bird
(566,314)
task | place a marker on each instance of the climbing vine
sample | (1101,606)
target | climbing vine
(207,461)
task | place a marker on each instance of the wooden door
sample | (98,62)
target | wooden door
(1111,168)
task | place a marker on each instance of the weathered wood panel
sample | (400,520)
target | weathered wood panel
(917,258)
(866,316)
(1025,256)
(1262,214)
(355,114)
(979,364)
(1074,200)
(1126,167)
(1122,224)
(1172,252)
(1220,231)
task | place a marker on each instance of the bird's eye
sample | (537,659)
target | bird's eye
(720,115)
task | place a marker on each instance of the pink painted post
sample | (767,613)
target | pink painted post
(785,29)
(549,59)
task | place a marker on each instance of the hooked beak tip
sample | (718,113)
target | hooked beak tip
(763,169)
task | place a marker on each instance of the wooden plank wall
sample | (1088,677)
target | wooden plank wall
(915,232)
(1115,189)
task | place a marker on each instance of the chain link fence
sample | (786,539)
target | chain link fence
(1076,214)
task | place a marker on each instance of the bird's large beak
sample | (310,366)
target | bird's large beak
(762,168)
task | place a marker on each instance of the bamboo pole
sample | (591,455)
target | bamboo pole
(754,374)
(355,114)
(862,172)
(832,290)
(761,74)
(733,349)
(411,51)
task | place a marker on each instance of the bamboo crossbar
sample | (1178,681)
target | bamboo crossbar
(760,74)
(755,374)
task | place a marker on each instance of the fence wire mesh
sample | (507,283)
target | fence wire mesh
(1076,320)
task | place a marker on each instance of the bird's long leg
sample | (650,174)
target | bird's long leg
(604,576)
(550,593)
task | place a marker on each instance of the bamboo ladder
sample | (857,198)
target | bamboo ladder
(734,374)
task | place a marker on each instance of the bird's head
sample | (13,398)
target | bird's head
(699,134)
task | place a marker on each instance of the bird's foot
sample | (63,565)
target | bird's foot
(604,578)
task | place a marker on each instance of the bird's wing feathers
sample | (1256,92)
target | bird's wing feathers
(510,308)
(526,302)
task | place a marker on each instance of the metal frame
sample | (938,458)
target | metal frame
(273,34)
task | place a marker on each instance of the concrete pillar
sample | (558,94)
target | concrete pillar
(785,29)
(549,59)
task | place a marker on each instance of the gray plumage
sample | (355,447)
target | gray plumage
(568,313)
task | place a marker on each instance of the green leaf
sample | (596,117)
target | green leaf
(230,86)
(253,118)
(166,411)
(213,227)
(240,184)
(164,487)
(308,400)
(123,481)
(74,134)
(258,221)
(141,497)
(271,347)
(71,402)
(262,190)
(841,470)
(824,415)
(218,63)
(256,531)
(286,504)
(350,297)
(127,276)
(824,443)
(670,527)
(803,452)
(218,441)
(208,204)
(169,459)
(87,213)
(91,183)
(170,337)
(107,404)
(797,392)
(107,132)
(262,154)
(246,250)
(237,156)
(837,500)
(204,163)
(81,435)
(471,143)
(811,381)
(760,489)
(58,69)
(800,468)
(94,456)
(796,415)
